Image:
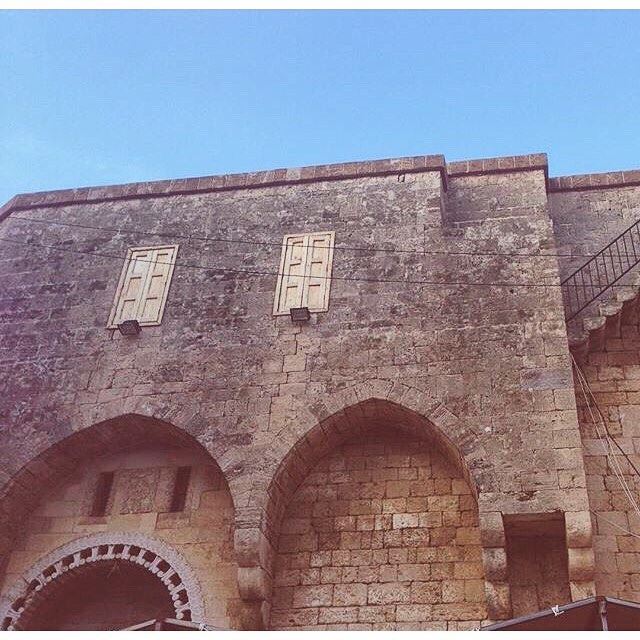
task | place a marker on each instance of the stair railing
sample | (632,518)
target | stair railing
(601,272)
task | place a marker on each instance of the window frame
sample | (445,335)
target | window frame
(308,237)
(112,324)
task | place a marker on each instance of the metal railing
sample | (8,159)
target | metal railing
(602,271)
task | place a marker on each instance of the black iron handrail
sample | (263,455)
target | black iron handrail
(602,271)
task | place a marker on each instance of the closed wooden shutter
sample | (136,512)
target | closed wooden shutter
(318,271)
(158,277)
(305,270)
(144,284)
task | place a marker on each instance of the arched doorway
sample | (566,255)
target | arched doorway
(132,475)
(104,582)
(104,596)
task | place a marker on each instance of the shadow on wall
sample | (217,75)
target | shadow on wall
(149,493)
(378,527)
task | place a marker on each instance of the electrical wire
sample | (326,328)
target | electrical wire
(267,243)
(250,272)
(614,524)
(604,422)
(613,463)
(606,439)
(606,443)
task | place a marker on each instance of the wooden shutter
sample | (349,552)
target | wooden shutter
(144,284)
(305,269)
(156,286)
(318,271)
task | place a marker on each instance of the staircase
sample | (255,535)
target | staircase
(590,314)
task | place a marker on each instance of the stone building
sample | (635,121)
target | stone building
(415,449)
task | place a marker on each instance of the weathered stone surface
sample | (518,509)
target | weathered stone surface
(427,556)
(473,364)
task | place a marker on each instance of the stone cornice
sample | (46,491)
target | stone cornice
(275,177)
(586,181)
(505,164)
(319,173)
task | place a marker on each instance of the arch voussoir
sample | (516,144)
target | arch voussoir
(163,562)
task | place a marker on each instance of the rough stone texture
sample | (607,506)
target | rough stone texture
(613,374)
(585,221)
(383,534)
(201,533)
(538,573)
(475,361)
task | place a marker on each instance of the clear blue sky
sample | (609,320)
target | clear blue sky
(106,97)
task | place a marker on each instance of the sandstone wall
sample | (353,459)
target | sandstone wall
(613,374)
(139,502)
(479,349)
(382,534)
(584,221)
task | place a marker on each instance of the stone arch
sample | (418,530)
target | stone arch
(22,492)
(381,512)
(321,428)
(440,428)
(310,421)
(59,566)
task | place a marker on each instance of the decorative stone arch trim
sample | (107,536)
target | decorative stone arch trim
(161,560)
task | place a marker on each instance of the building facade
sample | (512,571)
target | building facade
(437,437)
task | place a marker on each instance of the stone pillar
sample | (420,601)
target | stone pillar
(254,555)
(494,557)
(580,554)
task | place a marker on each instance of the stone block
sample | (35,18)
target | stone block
(350,595)
(338,615)
(405,520)
(578,528)
(495,564)
(581,564)
(426,592)
(388,593)
(312,596)
(498,600)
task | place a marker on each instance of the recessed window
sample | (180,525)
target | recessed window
(305,272)
(102,494)
(180,489)
(144,284)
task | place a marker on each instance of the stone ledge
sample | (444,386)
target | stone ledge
(503,164)
(343,171)
(317,173)
(595,181)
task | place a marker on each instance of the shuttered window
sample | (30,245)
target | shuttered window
(144,284)
(305,272)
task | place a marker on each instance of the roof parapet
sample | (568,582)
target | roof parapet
(316,173)
(586,181)
(182,186)
(505,164)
